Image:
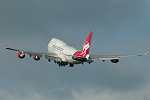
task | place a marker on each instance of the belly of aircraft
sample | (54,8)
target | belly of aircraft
(70,60)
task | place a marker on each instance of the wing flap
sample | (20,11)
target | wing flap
(111,57)
(55,58)
(108,58)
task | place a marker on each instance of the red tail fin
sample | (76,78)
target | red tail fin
(86,47)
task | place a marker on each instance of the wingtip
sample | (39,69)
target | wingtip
(147,53)
(6,46)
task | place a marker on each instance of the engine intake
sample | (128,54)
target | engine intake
(21,55)
(114,60)
(36,58)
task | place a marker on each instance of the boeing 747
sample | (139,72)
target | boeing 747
(62,54)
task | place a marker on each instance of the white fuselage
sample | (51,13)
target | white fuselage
(62,50)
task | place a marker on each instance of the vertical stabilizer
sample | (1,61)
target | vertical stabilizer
(80,55)
(86,46)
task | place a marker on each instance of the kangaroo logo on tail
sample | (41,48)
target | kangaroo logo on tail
(85,50)
(86,46)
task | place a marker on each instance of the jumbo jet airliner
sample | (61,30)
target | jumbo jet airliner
(62,54)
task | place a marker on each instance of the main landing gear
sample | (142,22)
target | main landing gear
(63,64)
(70,65)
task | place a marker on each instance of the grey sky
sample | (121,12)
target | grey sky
(119,26)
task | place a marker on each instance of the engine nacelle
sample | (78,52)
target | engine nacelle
(36,58)
(114,60)
(21,55)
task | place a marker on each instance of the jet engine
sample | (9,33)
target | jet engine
(36,58)
(21,55)
(114,60)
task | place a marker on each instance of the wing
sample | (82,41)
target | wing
(113,58)
(36,55)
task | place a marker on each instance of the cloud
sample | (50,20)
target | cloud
(5,95)
(120,27)
(108,94)
(85,93)
(29,18)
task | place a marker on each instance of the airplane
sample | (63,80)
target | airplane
(62,54)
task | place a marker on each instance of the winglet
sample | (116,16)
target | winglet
(6,46)
(147,53)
